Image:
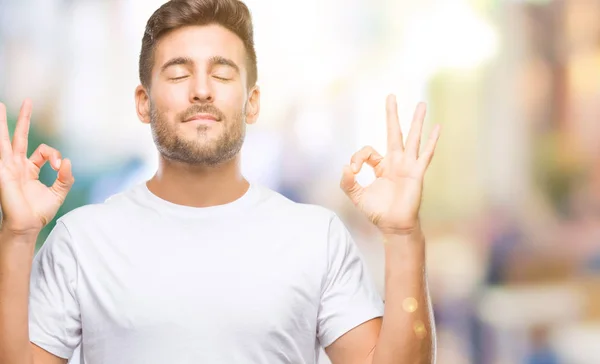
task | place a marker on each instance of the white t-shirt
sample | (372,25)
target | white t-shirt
(138,279)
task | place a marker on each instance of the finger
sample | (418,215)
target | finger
(394,133)
(413,142)
(45,153)
(427,155)
(349,185)
(5,148)
(64,180)
(366,155)
(22,129)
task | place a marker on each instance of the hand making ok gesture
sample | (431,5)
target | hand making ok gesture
(393,200)
(27,204)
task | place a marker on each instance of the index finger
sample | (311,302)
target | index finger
(5,148)
(394,133)
(22,129)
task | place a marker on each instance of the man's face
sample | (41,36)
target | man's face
(198,95)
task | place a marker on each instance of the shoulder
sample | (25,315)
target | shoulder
(112,209)
(279,207)
(305,221)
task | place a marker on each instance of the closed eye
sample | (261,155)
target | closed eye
(178,78)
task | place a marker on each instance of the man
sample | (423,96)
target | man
(198,265)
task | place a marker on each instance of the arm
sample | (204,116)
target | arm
(392,203)
(41,356)
(406,331)
(27,205)
(16,255)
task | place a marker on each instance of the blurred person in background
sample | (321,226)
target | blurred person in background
(231,272)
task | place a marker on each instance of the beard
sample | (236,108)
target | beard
(199,148)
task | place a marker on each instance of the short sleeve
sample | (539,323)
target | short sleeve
(54,317)
(349,297)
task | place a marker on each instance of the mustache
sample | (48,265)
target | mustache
(201,108)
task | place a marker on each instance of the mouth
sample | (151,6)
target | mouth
(202,118)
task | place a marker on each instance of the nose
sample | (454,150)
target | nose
(201,90)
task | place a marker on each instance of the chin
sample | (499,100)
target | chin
(201,136)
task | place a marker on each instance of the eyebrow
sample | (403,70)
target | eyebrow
(222,61)
(176,61)
(213,61)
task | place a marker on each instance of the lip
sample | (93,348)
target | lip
(202,117)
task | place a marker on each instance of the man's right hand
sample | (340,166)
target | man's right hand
(27,204)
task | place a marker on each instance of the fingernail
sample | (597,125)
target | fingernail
(354,167)
(58,161)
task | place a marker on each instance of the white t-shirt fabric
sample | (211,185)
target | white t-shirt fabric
(138,279)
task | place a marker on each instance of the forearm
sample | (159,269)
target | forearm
(16,255)
(407,334)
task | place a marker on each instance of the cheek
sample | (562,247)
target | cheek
(170,101)
(175,96)
(230,100)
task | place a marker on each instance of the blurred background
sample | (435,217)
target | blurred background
(512,200)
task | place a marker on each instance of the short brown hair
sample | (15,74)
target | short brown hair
(231,14)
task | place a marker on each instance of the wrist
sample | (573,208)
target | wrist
(412,235)
(406,230)
(409,246)
(8,235)
(404,251)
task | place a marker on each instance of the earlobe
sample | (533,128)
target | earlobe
(142,104)
(253,105)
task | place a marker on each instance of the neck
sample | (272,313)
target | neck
(198,186)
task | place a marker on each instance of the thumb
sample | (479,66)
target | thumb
(64,180)
(349,185)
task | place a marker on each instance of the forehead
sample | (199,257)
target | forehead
(200,43)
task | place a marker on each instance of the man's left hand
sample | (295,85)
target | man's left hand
(393,200)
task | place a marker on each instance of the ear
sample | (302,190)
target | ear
(142,104)
(253,105)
